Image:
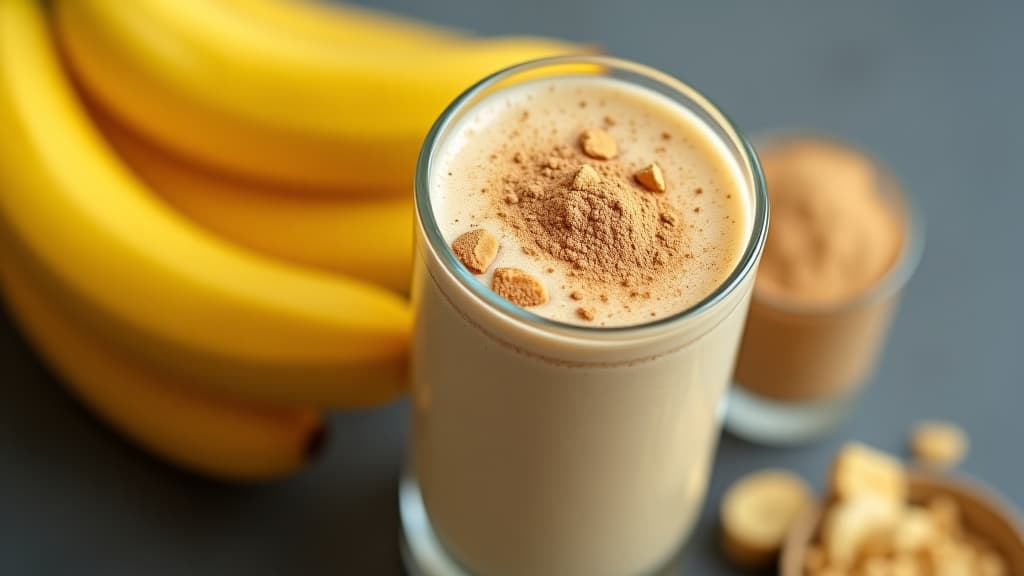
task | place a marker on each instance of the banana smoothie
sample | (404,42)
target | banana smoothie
(585,251)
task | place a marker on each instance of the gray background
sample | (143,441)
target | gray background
(934,88)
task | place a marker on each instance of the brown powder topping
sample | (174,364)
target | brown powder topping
(833,234)
(595,219)
(476,249)
(519,287)
(598,144)
(586,178)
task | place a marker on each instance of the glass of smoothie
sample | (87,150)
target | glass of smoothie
(588,231)
(843,244)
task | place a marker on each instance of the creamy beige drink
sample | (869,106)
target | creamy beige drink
(585,258)
(511,170)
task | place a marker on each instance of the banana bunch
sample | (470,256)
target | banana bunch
(206,210)
(228,85)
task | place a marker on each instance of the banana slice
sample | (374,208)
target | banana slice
(758,512)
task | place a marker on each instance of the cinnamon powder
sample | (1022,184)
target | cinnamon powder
(596,219)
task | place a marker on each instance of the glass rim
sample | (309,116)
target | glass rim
(747,162)
(911,249)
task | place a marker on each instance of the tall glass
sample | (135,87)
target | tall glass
(547,448)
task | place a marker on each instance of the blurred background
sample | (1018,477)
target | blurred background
(933,89)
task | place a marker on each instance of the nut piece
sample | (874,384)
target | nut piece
(757,513)
(519,287)
(476,249)
(938,444)
(915,531)
(867,532)
(586,178)
(815,560)
(851,526)
(651,178)
(598,144)
(988,563)
(945,513)
(586,313)
(860,470)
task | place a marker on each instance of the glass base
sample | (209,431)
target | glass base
(776,423)
(422,552)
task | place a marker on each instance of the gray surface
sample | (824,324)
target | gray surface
(935,88)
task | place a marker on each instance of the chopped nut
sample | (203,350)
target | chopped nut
(586,178)
(651,178)
(867,531)
(850,525)
(950,560)
(915,531)
(906,565)
(519,287)
(476,249)
(945,513)
(586,313)
(863,471)
(576,295)
(598,144)
(939,444)
(989,563)
(814,560)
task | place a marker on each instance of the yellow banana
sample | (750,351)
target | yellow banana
(341,25)
(130,267)
(220,87)
(207,434)
(369,239)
